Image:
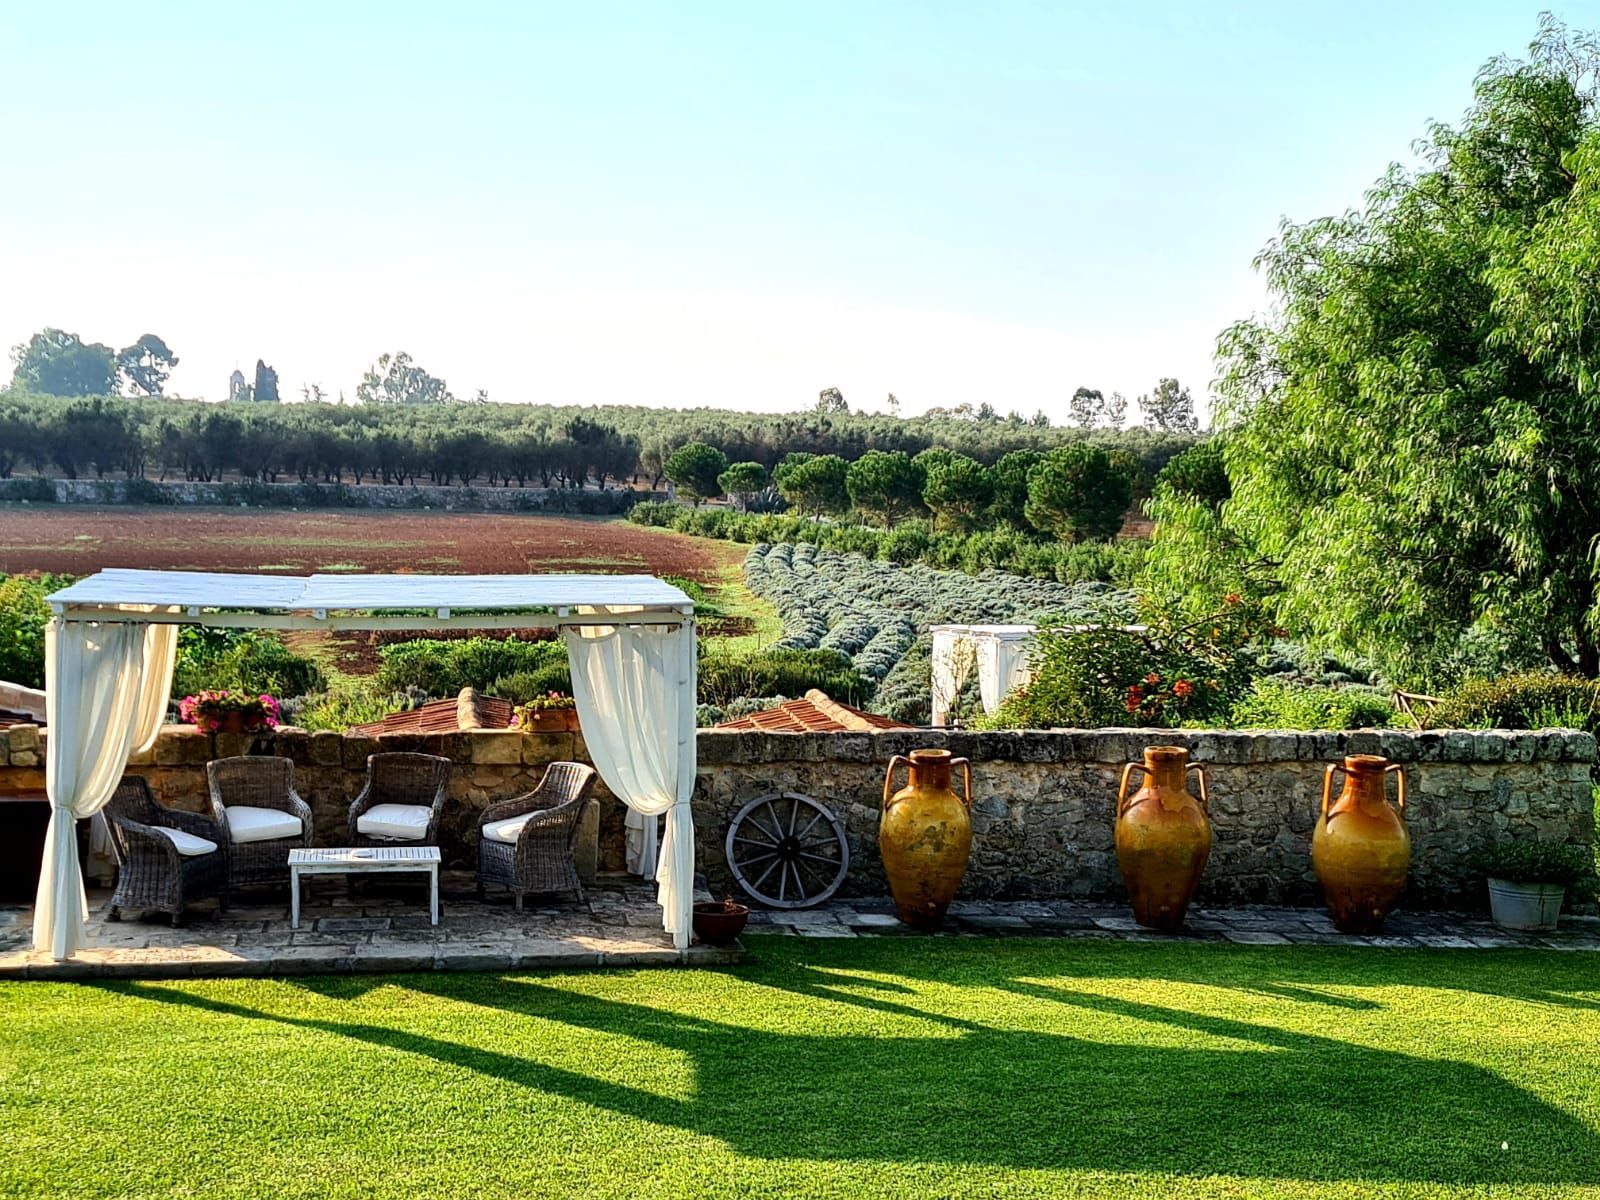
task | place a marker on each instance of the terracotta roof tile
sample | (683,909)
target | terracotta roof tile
(470,710)
(813,713)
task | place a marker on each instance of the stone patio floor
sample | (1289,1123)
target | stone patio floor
(618,925)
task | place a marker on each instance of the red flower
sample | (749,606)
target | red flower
(1152,678)
(1183,688)
(1233,598)
(1135,698)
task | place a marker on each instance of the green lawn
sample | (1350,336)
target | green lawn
(840,1068)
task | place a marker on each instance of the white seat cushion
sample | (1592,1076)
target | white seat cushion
(508,830)
(188,844)
(409,822)
(246,824)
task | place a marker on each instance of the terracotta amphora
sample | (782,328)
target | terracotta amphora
(1163,836)
(1360,849)
(925,835)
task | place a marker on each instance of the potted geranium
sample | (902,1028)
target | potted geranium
(229,712)
(1528,880)
(554,712)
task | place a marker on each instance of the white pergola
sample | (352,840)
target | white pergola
(111,645)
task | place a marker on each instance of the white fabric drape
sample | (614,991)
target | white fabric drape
(999,657)
(1002,666)
(106,689)
(953,660)
(635,690)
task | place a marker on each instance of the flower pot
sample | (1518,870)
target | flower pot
(232,722)
(925,835)
(1525,906)
(1360,848)
(1163,837)
(719,922)
(551,720)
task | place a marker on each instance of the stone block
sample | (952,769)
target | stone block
(22,738)
(719,747)
(24,758)
(184,745)
(495,746)
(356,749)
(326,748)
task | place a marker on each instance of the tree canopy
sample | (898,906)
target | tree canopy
(1078,493)
(886,485)
(1414,450)
(694,470)
(59,363)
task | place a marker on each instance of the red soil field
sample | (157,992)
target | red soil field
(76,540)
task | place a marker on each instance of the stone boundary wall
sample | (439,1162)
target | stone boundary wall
(294,494)
(1043,805)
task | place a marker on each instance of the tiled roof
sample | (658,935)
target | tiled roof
(470,710)
(20,705)
(813,713)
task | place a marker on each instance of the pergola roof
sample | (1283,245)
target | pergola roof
(288,600)
(118,588)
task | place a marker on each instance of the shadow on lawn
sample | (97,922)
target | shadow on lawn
(1289,1104)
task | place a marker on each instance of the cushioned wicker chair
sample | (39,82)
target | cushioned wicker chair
(261,815)
(165,858)
(401,801)
(526,844)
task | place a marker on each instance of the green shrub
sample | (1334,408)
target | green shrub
(23,616)
(1278,704)
(240,661)
(1532,700)
(441,668)
(342,707)
(1538,862)
(725,678)
(521,686)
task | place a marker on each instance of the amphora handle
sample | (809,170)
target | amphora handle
(1205,795)
(966,773)
(1400,785)
(1327,786)
(1122,792)
(888,776)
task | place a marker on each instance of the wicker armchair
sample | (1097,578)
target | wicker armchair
(153,872)
(538,858)
(252,798)
(409,789)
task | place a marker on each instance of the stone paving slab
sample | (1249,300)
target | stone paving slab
(378,934)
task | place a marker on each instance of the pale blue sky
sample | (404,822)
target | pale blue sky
(732,204)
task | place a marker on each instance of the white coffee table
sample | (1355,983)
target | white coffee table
(362,860)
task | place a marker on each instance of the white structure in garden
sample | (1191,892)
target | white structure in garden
(998,653)
(112,643)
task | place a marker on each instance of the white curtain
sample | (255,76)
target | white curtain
(1002,666)
(635,690)
(106,691)
(953,660)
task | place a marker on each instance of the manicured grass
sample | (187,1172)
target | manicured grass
(887,1067)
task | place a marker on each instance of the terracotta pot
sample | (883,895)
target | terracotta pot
(925,835)
(1360,849)
(718,922)
(551,720)
(1163,836)
(232,722)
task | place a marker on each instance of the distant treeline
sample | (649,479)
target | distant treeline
(495,444)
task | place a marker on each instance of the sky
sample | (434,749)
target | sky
(677,204)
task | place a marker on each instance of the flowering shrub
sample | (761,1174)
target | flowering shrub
(210,711)
(549,702)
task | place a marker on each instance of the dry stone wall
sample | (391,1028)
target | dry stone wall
(1043,799)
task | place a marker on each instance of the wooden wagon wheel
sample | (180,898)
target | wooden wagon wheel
(787,851)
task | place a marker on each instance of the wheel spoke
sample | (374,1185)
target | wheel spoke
(821,858)
(754,859)
(783,882)
(750,841)
(810,825)
(762,878)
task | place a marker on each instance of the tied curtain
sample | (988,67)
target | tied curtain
(1002,666)
(106,687)
(635,691)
